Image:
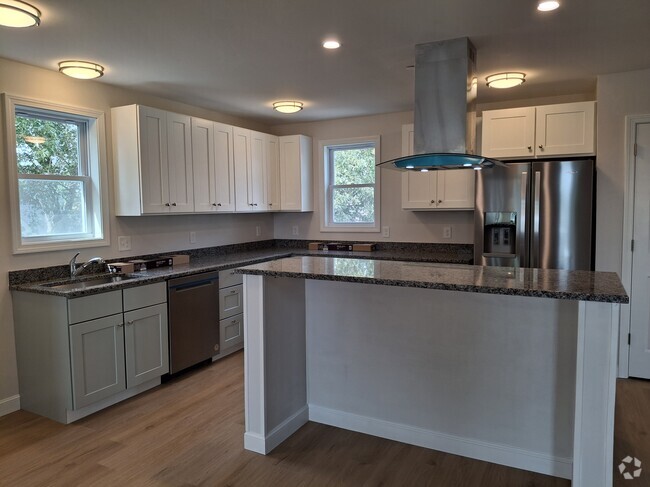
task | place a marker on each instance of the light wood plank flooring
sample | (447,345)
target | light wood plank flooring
(189,432)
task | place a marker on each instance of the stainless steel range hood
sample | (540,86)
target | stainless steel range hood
(445,109)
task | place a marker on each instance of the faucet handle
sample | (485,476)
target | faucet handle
(74,258)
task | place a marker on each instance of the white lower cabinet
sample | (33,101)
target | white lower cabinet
(231,332)
(77,356)
(231,313)
(97,356)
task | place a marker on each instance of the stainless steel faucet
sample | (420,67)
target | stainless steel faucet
(75,270)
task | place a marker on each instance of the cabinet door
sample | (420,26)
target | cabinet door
(203,164)
(272,172)
(146,344)
(231,332)
(224,168)
(418,188)
(242,154)
(97,359)
(231,301)
(509,133)
(257,172)
(179,150)
(565,129)
(455,189)
(153,160)
(290,173)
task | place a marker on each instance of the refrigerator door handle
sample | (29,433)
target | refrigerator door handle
(523,238)
(534,257)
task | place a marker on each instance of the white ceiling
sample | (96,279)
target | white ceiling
(237,56)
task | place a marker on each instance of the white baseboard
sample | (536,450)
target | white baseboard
(467,447)
(9,404)
(284,430)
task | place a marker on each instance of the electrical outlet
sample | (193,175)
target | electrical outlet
(258,230)
(192,237)
(385,232)
(446,231)
(123,244)
(295,231)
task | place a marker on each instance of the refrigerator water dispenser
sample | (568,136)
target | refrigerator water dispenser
(500,233)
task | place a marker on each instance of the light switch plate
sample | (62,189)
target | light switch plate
(446,231)
(192,237)
(258,230)
(295,231)
(123,243)
(385,232)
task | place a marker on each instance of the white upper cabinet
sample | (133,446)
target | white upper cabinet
(537,132)
(272,173)
(152,161)
(296,185)
(435,190)
(242,151)
(214,170)
(257,170)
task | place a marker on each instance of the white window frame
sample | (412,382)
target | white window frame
(326,223)
(95,177)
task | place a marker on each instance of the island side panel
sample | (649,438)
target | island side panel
(485,376)
(275,360)
(595,394)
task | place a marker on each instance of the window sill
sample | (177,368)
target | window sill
(65,245)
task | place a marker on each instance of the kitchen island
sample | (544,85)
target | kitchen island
(507,365)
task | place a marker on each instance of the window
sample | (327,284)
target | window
(351,185)
(54,156)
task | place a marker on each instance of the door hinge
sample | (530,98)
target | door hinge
(629,338)
(632,246)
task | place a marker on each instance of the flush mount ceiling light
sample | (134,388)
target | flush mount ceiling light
(288,106)
(14,13)
(547,5)
(81,69)
(505,80)
(331,44)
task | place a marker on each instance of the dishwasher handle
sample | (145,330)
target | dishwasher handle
(193,281)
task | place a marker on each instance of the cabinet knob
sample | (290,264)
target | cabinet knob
(120,325)
(541,147)
(214,204)
(130,322)
(166,204)
(250,204)
(433,201)
(173,204)
(233,292)
(270,204)
(439,201)
(218,204)
(234,322)
(530,148)
(254,204)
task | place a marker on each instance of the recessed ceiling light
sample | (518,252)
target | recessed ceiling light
(331,44)
(81,69)
(547,5)
(288,106)
(14,13)
(505,80)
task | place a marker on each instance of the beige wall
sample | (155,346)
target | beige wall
(618,95)
(405,226)
(149,234)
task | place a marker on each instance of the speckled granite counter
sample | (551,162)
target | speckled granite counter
(573,285)
(202,260)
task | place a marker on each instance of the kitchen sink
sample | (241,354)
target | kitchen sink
(79,284)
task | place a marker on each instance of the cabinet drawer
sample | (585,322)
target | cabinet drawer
(231,301)
(231,332)
(142,296)
(95,306)
(229,278)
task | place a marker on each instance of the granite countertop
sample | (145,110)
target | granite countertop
(40,281)
(541,283)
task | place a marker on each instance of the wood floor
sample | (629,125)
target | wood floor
(189,432)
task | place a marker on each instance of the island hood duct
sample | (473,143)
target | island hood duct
(445,109)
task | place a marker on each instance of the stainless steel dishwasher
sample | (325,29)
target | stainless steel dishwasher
(193,319)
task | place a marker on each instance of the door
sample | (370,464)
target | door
(640,287)
(203,165)
(179,150)
(455,189)
(272,172)
(561,215)
(224,168)
(146,344)
(508,133)
(241,153)
(502,204)
(565,129)
(97,356)
(153,160)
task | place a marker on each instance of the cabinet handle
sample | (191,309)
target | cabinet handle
(214,204)
(234,322)
(250,204)
(173,204)
(233,292)
(530,148)
(130,322)
(166,204)
(270,204)
(433,201)
(541,147)
(439,201)
(218,204)
(254,204)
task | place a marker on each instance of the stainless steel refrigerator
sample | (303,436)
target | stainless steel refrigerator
(535,214)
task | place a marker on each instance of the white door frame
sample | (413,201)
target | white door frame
(631,122)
